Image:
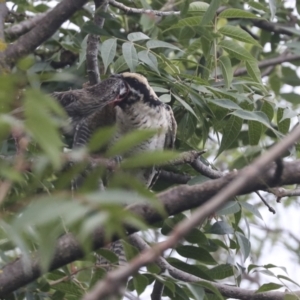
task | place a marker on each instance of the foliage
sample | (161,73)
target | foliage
(190,61)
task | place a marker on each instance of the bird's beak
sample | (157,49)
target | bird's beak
(123,92)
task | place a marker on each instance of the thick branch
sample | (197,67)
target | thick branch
(131,10)
(21,28)
(13,275)
(92,44)
(45,29)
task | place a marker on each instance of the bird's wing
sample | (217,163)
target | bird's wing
(70,101)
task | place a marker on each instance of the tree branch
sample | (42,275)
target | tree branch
(3,14)
(174,177)
(270,62)
(108,285)
(92,44)
(280,192)
(200,167)
(45,29)
(270,26)
(226,290)
(21,28)
(67,249)
(131,10)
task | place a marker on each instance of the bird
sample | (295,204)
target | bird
(141,109)
(128,101)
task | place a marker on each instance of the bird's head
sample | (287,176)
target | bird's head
(135,87)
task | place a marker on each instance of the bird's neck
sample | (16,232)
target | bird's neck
(138,115)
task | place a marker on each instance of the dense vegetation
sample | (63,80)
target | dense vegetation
(229,71)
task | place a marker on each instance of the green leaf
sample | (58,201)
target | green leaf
(130,55)
(194,46)
(100,138)
(221,271)
(221,227)
(196,290)
(120,65)
(197,270)
(108,255)
(108,52)
(147,159)
(197,253)
(258,6)
(236,50)
(291,97)
(251,208)
(196,236)
(41,125)
(198,6)
(137,36)
(253,70)
(186,22)
(129,141)
(225,103)
(140,283)
(238,34)
(209,286)
(226,68)
(254,132)
(229,208)
(288,114)
(268,109)
(149,59)
(160,44)
(166,98)
(69,288)
(90,27)
(230,133)
(185,105)
(237,14)
(244,244)
(283,126)
(269,287)
(253,116)
(211,12)
(288,279)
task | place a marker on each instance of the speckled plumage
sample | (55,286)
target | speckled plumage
(137,108)
(142,109)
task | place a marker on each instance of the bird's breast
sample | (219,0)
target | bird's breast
(139,117)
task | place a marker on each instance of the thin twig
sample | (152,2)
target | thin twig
(271,209)
(92,44)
